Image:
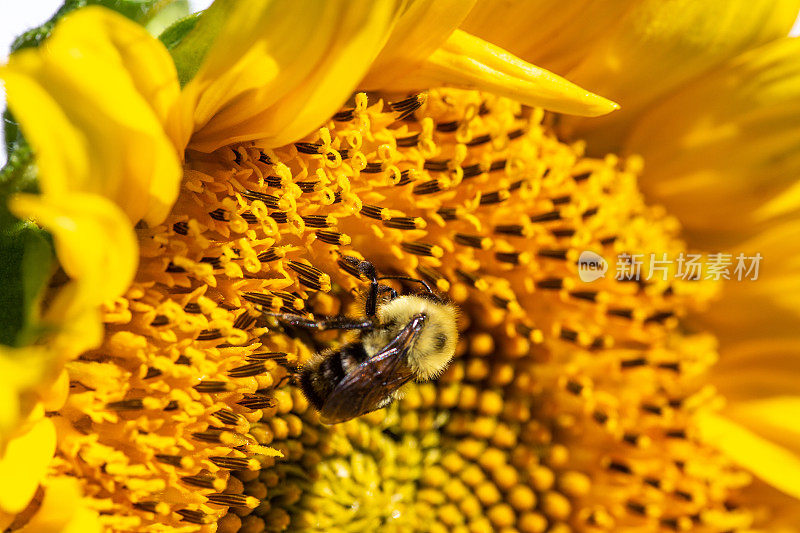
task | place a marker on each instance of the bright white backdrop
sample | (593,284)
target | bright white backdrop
(16,17)
(14,20)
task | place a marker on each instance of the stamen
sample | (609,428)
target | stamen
(344,116)
(256,401)
(422,248)
(159,508)
(236,463)
(406,223)
(546,217)
(447,127)
(561,255)
(250,369)
(407,142)
(195,517)
(428,187)
(273,254)
(473,241)
(181,228)
(237,500)
(270,200)
(126,405)
(550,284)
(373,211)
(308,148)
(318,221)
(228,417)
(173,460)
(407,106)
(204,481)
(211,386)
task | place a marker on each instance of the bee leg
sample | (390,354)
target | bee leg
(407,278)
(367,269)
(333,322)
(371,302)
(386,288)
(291,378)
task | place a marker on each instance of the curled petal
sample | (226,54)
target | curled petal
(95,243)
(467,61)
(62,154)
(99,79)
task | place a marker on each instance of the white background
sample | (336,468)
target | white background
(22,16)
(16,17)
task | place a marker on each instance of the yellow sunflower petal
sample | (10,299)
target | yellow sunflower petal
(759,367)
(25,462)
(20,370)
(551,33)
(100,78)
(63,511)
(772,463)
(62,156)
(776,418)
(467,61)
(94,240)
(147,62)
(659,45)
(766,307)
(757,321)
(722,152)
(276,70)
(423,26)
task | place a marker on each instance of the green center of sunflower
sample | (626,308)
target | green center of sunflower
(569,404)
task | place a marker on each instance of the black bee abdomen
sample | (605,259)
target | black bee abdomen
(331,368)
(354,353)
(309,391)
(319,379)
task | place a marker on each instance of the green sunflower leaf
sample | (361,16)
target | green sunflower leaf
(27,258)
(190,39)
(157,14)
(172,36)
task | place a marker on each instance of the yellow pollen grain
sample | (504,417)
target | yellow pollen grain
(522,498)
(532,523)
(542,478)
(487,493)
(555,505)
(501,515)
(574,483)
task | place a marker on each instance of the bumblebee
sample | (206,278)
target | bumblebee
(401,338)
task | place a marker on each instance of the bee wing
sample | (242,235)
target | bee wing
(372,385)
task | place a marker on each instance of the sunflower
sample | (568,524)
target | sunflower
(193,187)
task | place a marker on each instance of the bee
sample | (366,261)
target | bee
(401,338)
